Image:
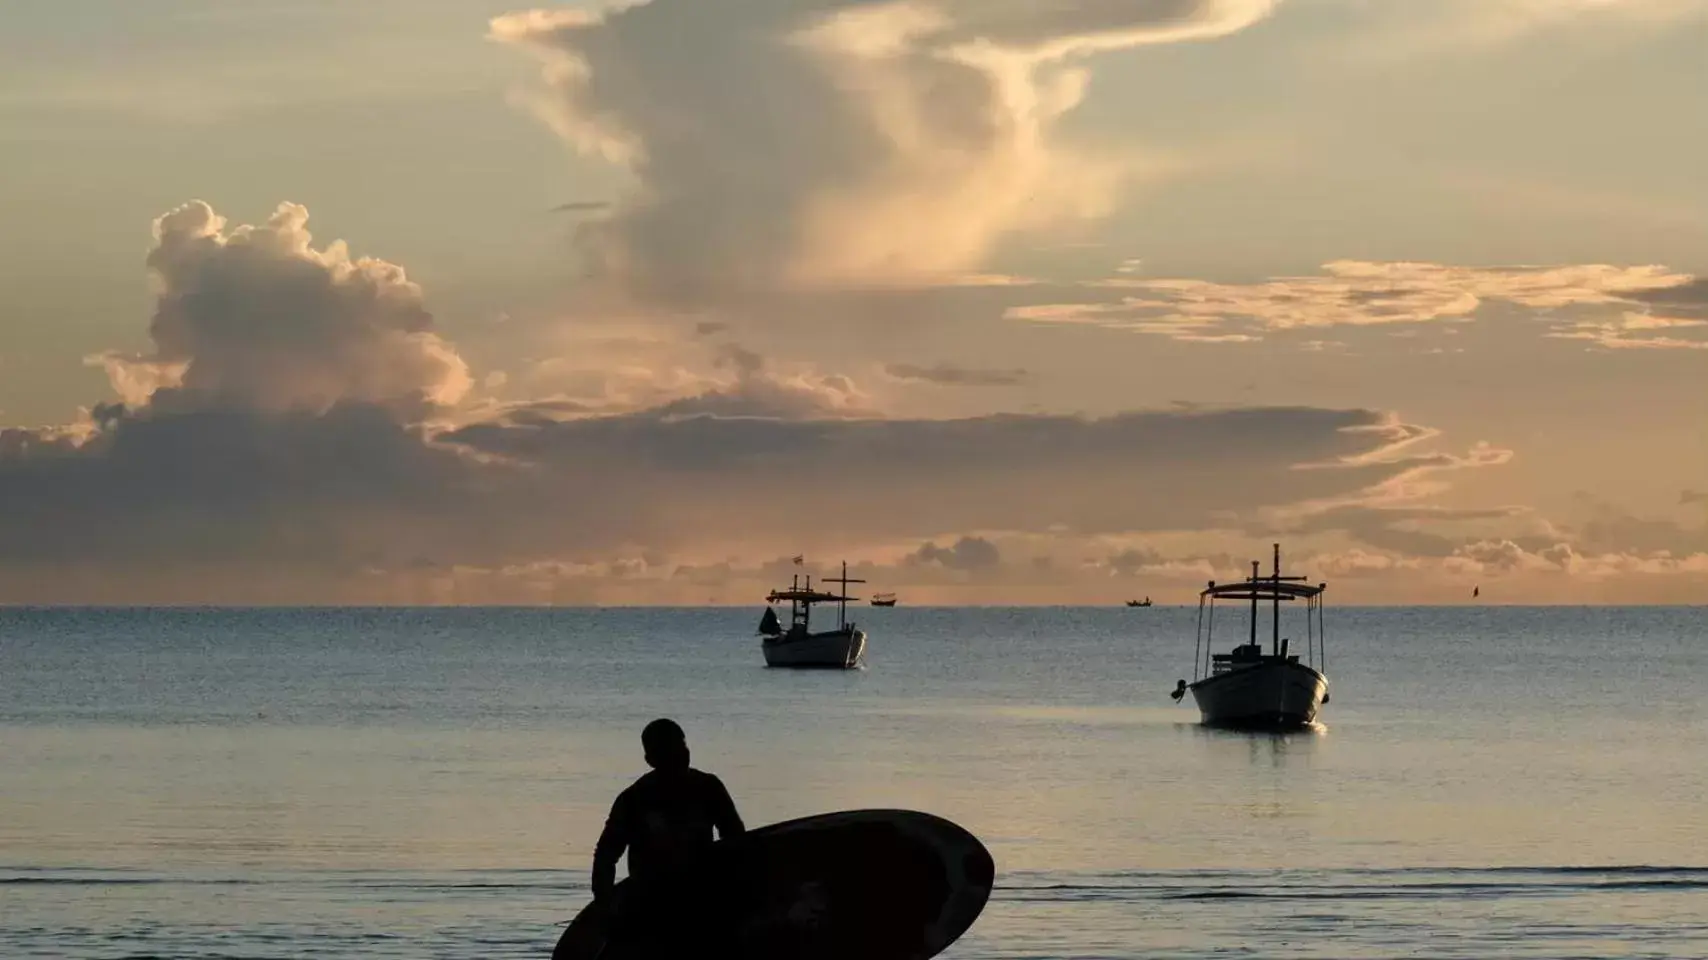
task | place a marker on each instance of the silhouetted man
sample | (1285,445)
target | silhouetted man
(665,821)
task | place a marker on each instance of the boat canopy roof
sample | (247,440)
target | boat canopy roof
(1263,589)
(805,596)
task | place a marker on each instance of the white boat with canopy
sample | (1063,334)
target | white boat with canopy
(1247,687)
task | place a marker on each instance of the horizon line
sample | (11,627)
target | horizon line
(1115,605)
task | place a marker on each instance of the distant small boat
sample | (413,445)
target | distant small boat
(1139,603)
(883,599)
(1248,687)
(843,648)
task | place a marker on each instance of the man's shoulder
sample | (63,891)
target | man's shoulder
(655,782)
(659,780)
(704,779)
(642,784)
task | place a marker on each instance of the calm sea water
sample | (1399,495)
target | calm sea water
(429,783)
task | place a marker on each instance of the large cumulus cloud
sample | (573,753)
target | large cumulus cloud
(889,141)
(258,318)
(279,420)
(836,141)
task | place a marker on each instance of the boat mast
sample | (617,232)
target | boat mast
(1275,613)
(1254,579)
(842,599)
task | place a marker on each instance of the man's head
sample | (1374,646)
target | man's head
(665,744)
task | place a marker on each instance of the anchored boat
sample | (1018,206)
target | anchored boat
(1248,687)
(843,648)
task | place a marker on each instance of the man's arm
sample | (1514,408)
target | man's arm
(613,840)
(724,816)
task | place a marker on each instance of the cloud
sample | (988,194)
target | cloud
(799,397)
(582,206)
(178,489)
(177,501)
(1638,331)
(665,369)
(759,392)
(950,375)
(300,423)
(1506,571)
(1037,570)
(351,505)
(258,318)
(1589,11)
(1362,294)
(1405,527)
(1672,317)
(1612,530)
(1134,560)
(1405,28)
(299,442)
(968,554)
(680,483)
(1612,556)
(646,580)
(813,142)
(1504,557)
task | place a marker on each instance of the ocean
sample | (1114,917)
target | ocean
(428,783)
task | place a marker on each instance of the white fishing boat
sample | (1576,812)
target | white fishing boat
(1248,687)
(843,648)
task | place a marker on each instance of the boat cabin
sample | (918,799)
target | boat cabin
(1276,590)
(801,598)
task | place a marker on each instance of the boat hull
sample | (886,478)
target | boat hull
(1262,696)
(834,650)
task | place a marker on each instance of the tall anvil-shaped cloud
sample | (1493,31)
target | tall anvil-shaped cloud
(834,141)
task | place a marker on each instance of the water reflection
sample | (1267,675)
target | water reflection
(1262,747)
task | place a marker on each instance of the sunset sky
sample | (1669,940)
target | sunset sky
(428,301)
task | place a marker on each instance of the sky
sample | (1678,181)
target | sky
(457,301)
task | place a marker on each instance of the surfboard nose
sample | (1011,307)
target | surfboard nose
(979,869)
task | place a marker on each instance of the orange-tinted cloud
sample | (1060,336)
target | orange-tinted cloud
(1611,305)
(257,317)
(304,442)
(300,423)
(815,142)
(952,375)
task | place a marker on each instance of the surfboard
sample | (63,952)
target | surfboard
(851,885)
